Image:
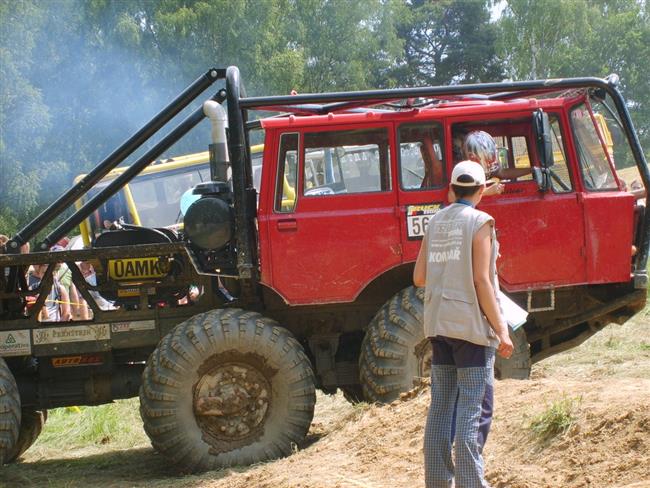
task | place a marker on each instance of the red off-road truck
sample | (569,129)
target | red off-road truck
(305,281)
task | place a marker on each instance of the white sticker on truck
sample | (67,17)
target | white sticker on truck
(79,333)
(417,219)
(133,325)
(15,343)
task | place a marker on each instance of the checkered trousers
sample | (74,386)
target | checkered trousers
(462,389)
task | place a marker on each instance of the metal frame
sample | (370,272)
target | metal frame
(111,161)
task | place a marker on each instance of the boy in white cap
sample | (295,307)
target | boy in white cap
(457,266)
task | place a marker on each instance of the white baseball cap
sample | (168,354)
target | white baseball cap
(468,173)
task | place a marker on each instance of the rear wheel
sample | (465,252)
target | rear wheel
(227,387)
(31,425)
(394,353)
(9,413)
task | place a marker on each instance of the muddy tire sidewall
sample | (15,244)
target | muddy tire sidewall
(10,413)
(172,374)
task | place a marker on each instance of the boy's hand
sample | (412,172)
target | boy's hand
(505,347)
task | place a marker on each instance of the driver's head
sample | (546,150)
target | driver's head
(479,146)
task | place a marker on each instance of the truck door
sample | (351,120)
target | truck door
(608,211)
(541,233)
(333,227)
(423,182)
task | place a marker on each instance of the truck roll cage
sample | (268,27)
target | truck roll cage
(308,104)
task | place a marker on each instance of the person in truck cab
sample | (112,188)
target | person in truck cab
(456,265)
(480,147)
(57,304)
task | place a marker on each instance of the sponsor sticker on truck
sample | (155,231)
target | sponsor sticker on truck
(133,325)
(15,343)
(77,333)
(137,268)
(417,219)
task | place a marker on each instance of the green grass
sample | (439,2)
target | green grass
(555,420)
(619,351)
(117,425)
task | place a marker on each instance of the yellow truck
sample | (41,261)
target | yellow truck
(153,197)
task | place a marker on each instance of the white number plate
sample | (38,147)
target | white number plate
(417,219)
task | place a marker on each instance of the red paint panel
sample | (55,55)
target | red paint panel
(541,238)
(335,246)
(609,225)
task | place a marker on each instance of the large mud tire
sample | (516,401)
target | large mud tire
(394,351)
(31,426)
(9,412)
(395,354)
(227,387)
(518,365)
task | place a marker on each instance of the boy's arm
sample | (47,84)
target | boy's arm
(481,252)
(420,271)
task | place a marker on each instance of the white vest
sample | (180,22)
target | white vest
(451,307)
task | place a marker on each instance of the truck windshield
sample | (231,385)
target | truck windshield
(608,121)
(596,171)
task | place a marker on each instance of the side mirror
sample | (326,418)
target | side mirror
(543,140)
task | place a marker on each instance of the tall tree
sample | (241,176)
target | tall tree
(448,41)
(562,38)
(23,115)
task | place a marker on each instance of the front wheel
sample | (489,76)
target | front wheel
(227,387)
(31,425)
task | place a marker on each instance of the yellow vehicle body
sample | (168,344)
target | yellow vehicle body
(180,167)
(558,156)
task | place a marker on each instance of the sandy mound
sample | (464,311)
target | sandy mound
(608,444)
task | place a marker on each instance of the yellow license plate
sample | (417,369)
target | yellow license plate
(137,269)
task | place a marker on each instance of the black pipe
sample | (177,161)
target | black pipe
(115,158)
(114,186)
(237,140)
(424,92)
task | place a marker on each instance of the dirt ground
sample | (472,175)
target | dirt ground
(603,386)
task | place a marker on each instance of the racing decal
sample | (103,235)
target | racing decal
(128,292)
(133,326)
(133,292)
(79,333)
(84,360)
(15,343)
(137,268)
(417,219)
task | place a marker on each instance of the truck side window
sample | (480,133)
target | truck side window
(354,161)
(513,146)
(594,164)
(285,186)
(513,153)
(560,168)
(421,157)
